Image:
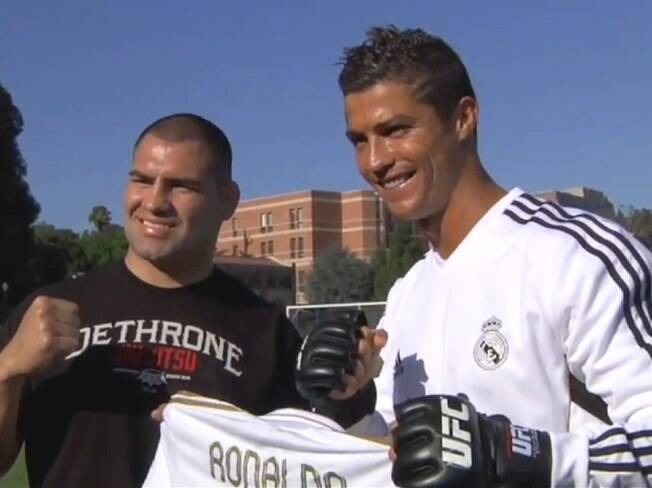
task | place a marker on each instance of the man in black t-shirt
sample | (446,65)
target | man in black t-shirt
(84,362)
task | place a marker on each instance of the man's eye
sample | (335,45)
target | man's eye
(399,131)
(357,141)
(184,187)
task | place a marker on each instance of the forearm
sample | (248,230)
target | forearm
(11,438)
(606,456)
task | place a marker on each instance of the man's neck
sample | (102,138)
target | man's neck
(167,276)
(471,199)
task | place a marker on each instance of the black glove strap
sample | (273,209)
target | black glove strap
(348,412)
(522,455)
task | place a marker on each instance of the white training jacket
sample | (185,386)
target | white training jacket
(206,442)
(534,292)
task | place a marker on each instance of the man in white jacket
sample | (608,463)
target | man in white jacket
(515,297)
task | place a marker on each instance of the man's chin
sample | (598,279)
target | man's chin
(405,212)
(154,256)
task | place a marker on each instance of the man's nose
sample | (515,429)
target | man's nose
(156,198)
(380,154)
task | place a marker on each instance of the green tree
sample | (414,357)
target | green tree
(403,250)
(61,253)
(638,221)
(339,277)
(18,209)
(104,247)
(100,217)
(58,254)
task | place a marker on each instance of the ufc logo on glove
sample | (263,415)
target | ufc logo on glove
(456,441)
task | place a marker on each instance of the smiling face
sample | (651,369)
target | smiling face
(174,203)
(403,149)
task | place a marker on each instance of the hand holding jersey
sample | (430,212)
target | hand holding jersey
(367,364)
(47,334)
(157,413)
(339,357)
(208,442)
(337,360)
(441,441)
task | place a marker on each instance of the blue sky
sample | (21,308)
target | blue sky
(564,89)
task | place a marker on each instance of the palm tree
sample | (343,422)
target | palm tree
(100,217)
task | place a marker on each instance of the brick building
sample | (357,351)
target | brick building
(294,228)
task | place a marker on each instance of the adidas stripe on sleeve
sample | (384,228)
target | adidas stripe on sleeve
(608,345)
(536,294)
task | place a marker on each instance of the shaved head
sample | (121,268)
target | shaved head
(191,127)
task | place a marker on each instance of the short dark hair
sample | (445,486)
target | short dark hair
(410,56)
(187,126)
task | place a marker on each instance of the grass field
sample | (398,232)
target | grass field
(16,477)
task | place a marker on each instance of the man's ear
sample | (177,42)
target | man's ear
(466,118)
(230,197)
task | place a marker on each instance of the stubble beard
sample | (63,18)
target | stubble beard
(152,250)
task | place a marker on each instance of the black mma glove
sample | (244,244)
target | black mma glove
(441,441)
(328,352)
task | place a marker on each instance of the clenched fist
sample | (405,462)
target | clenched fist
(367,365)
(339,357)
(48,332)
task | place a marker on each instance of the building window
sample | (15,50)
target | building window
(296,217)
(299,217)
(300,247)
(266,222)
(270,247)
(263,248)
(293,248)
(263,222)
(234,227)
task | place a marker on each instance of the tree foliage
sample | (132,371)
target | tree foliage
(403,250)
(638,221)
(62,253)
(104,247)
(18,208)
(340,277)
(58,254)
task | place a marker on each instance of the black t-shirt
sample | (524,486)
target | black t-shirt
(90,426)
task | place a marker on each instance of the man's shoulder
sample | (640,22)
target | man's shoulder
(245,304)
(551,227)
(80,282)
(564,244)
(234,291)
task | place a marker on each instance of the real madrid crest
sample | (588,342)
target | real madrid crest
(492,348)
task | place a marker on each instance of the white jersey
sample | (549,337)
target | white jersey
(206,442)
(534,292)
